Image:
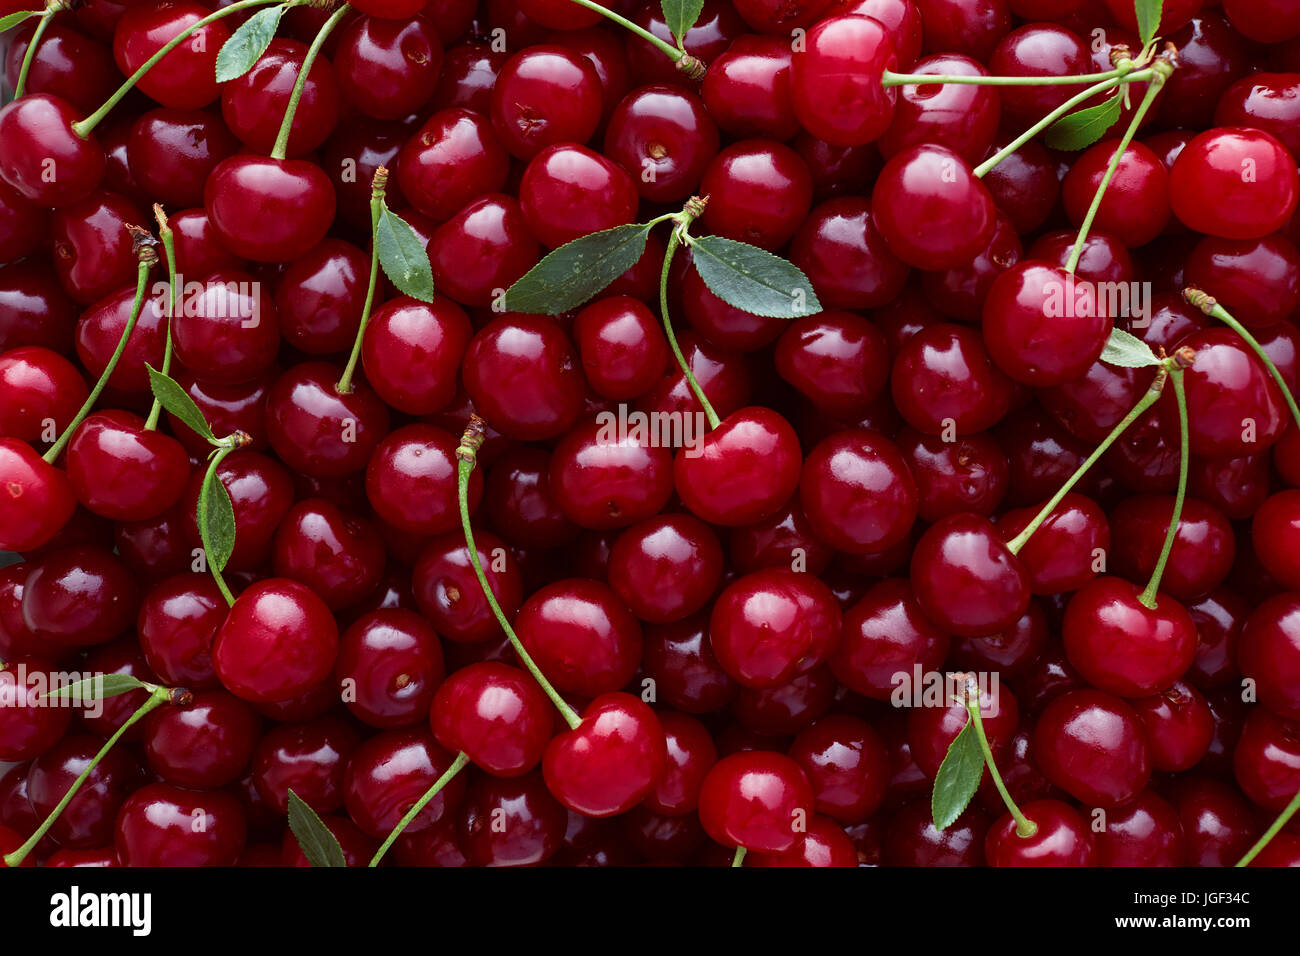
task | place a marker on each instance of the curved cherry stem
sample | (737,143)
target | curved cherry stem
(1207,304)
(890,78)
(1160,72)
(378,189)
(157,697)
(86,126)
(29,55)
(466,456)
(1025,827)
(739,858)
(281,147)
(147,255)
(1145,402)
(169,254)
(681,224)
(1180,362)
(456,767)
(1274,828)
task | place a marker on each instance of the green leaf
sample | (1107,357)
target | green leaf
(752,279)
(216,518)
(403,256)
(99,687)
(680,15)
(958,778)
(577,271)
(1127,351)
(11,21)
(177,401)
(318,844)
(1148,17)
(1082,128)
(248,43)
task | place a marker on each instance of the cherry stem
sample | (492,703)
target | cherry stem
(890,78)
(681,223)
(43,24)
(378,188)
(1025,827)
(1153,90)
(1207,304)
(157,697)
(147,255)
(1149,596)
(739,858)
(466,456)
(1282,820)
(230,444)
(456,767)
(169,254)
(1145,402)
(281,147)
(984,168)
(86,126)
(688,64)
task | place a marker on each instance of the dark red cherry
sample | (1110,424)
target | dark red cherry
(93,253)
(886,634)
(913,840)
(534,355)
(835,80)
(1203,549)
(1269,653)
(254,105)
(79,595)
(581,635)
(666,567)
(411,480)
(1094,747)
(358,848)
(36,499)
(336,554)
(177,623)
(389,773)
(1066,550)
(757,800)
(269,210)
(496,715)
(963,117)
(725,377)
(568,191)
(857,492)
(389,665)
(745,470)
(204,746)
(186,78)
(1266,760)
(261,492)
(747,89)
(966,579)
(944,382)
(509,822)
(66,64)
(759,192)
(315,429)
(545,95)
(23,224)
(172,153)
(388,68)
(680,660)
(1256,280)
(482,250)
(1179,726)
(319,298)
(28,725)
(842,252)
(1062,838)
(717,26)
(38,136)
(607,764)
(308,758)
(449,594)
(1037,49)
(663,137)
(1217,823)
(155,827)
(847,766)
(453,159)
(1146,832)
(601,479)
(621,345)
(121,471)
(969,474)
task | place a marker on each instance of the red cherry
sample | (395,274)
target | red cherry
(37,130)
(1266,759)
(186,78)
(961,116)
(745,470)
(495,714)
(545,95)
(666,567)
(1093,746)
(603,480)
(389,773)
(509,822)
(411,480)
(857,492)
(269,210)
(622,347)
(581,636)
(28,726)
(663,137)
(534,355)
(943,381)
(254,105)
(886,634)
(836,76)
(757,800)
(388,68)
(204,746)
(965,579)
(759,192)
(1269,653)
(845,257)
(1179,726)
(1211,194)
(315,429)
(747,89)
(37,386)
(1062,553)
(1037,49)
(155,827)
(847,765)
(1062,838)
(449,594)
(177,623)
(607,764)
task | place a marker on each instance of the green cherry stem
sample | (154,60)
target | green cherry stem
(1160,73)
(456,767)
(890,78)
(169,254)
(1025,827)
(147,254)
(157,697)
(1181,360)
(225,447)
(681,224)
(1207,304)
(378,188)
(1145,402)
(690,65)
(466,456)
(1282,820)
(281,147)
(739,858)
(85,127)
(43,24)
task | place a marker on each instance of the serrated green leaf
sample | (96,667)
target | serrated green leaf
(13,19)
(958,778)
(216,518)
(577,271)
(403,257)
(99,687)
(318,844)
(680,15)
(1127,351)
(1148,18)
(246,46)
(752,279)
(178,402)
(1084,127)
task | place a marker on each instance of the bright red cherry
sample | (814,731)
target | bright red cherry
(121,471)
(36,499)
(1234,182)
(607,764)
(581,635)
(37,131)
(1094,747)
(545,95)
(621,345)
(497,715)
(568,191)
(1062,554)
(155,827)
(745,470)
(757,800)
(269,210)
(336,554)
(534,360)
(1266,759)
(186,78)
(961,116)
(1062,838)
(453,159)
(857,492)
(1037,49)
(204,746)
(965,579)
(944,383)
(449,594)
(389,666)
(319,431)
(847,765)
(1256,280)
(254,105)
(177,623)
(666,567)
(836,80)
(931,208)
(411,480)
(388,68)
(663,137)
(1179,726)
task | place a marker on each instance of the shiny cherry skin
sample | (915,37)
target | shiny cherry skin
(177,624)
(1268,652)
(913,840)
(845,257)
(714,31)
(838,360)
(1136,204)
(824,844)
(754,800)
(932,729)
(315,429)
(36,499)
(1266,759)
(482,249)
(581,636)
(269,210)
(932,210)
(1179,726)
(1203,551)
(1123,647)
(689,755)
(847,766)
(666,567)
(943,379)
(1257,281)
(883,635)
(1209,194)
(254,105)
(155,827)
(278,641)
(79,595)
(664,138)
(835,80)
(611,761)
(779,541)
(510,821)
(1218,825)
(1263,101)
(963,117)
(388,69)
(1145,832)
(23,225)
(38,386)
(358,848)
(759,192)
(453,159)
(28,727)
(228,332)
(969,474)
(519,504)
(36,309)
(745,470)
(87,820)
(1274,529)
(204,746)
(1093,746)
(545,95)
(185,78)
(1062,552)
(411,480)
(448,591)
(1062,838)
(36,130)
(67,63)
(172,153)
(92,247)
(319,298)
(392,661)
(857,492)
(602,480)
(966,579)
(717,322)
(725,377)
(681,661)
(389,773)
(121,471)
(100,328)
(621,346)
(412,351)
(334,553)
(496,715)
(308,758)
(532,354)
(770,626)
(747,89)
(568,191)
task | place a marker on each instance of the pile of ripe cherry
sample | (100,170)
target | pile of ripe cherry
(374,580)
